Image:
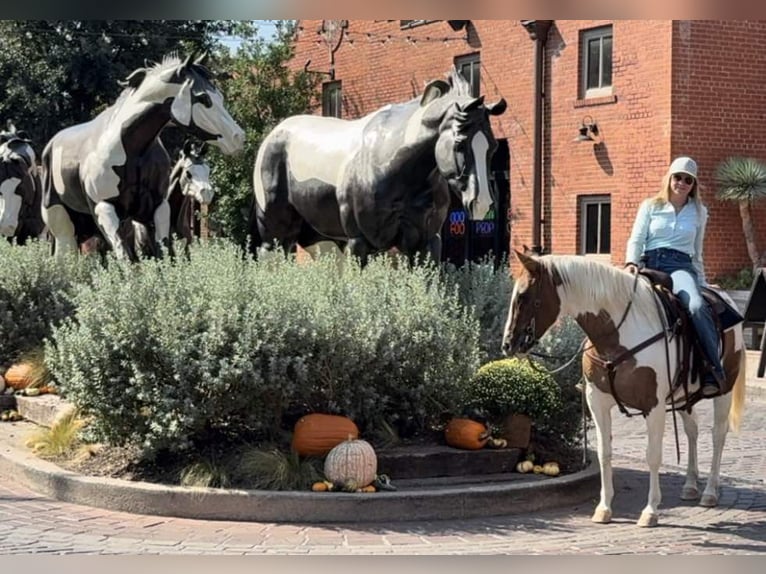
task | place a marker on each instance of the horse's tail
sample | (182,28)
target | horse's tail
(738,394)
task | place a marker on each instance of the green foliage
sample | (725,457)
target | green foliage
(261,92)
(561,343)
(508,386)
(486,292)
(276,470)
(741,179)
(743,280)
(54,74)
(34,295)
(168,355)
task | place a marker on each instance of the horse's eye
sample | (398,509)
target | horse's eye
(203,98)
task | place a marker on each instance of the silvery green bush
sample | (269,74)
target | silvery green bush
(34,288)
(167,354)
(486,291)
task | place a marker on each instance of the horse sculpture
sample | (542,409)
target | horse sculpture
(189,187)
(377,182)
(113,170)
(20,190)
(627,361)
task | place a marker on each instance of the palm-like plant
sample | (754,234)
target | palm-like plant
(743,179)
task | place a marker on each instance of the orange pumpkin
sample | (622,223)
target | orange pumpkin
(316,434)
(18,376)
(466,434)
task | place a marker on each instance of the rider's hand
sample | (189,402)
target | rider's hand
(631,268)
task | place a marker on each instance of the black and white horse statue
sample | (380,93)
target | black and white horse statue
(189,188)
(20,190)
(378,182)
(105,174)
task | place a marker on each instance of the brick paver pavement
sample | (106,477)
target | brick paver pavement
(30,523)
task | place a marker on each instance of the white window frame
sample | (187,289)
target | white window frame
(584,202)
(586,36)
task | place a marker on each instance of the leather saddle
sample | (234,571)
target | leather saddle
(690,353)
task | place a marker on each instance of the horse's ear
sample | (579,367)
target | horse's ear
(497,108)
(434,90)
(529,263)
(187,147)
(134,79)
(202,59)
(472,105)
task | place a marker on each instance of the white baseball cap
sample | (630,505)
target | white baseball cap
(684,165)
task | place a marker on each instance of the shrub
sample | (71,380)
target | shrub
(34,295)
(170,354)
(507,386)
(486,291)
(560,344)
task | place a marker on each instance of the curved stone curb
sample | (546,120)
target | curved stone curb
(469,501)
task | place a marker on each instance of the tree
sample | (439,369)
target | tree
(261,91)
(743,180)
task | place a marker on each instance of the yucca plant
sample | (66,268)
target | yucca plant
(743,180)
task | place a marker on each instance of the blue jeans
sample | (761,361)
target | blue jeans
(678,264)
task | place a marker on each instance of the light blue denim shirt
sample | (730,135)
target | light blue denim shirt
(657,225)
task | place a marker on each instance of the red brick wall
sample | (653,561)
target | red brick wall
(719,108)
(713,112)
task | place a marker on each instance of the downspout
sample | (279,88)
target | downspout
(538,31)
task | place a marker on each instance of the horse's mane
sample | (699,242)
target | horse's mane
(458,84)
(593,284)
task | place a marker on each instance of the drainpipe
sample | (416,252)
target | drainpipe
(538,31)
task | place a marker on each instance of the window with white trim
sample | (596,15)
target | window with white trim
(470,68)
(595,225)
(596,56)
(332,101)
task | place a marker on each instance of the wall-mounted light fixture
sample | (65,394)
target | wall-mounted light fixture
(588,129)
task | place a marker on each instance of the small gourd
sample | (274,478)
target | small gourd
(467,434)
(551,469)
(525,466)
(316,434)
(352,462)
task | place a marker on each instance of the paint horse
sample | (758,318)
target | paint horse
(377,182)
(20,190)
(189,187)
(627,358)
(100,176)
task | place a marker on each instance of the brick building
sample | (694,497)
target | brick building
(652,89)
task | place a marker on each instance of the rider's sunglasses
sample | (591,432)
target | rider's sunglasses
(687,179)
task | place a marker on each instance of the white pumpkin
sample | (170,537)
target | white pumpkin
(352,460)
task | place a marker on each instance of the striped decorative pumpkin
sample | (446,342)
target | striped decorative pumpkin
(18,376)
(316,434)
(466,434)
(352,461)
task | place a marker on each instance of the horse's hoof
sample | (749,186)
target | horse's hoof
(647,520)
(602,516)
(690,493)
(709,500)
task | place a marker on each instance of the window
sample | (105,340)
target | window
(332,101)
(412,23)
(469,67)
(596,51)
(595,225)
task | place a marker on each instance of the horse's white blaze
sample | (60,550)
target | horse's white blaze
(10,206)
(480,146)
(216,120)
(198,185)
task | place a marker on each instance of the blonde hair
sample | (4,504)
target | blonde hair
(663,196)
